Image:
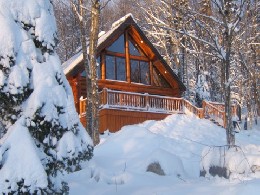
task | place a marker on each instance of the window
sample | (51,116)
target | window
(140,65)
(83,73)
(140,72)
(158,80)
(115,68)
(118,46)
(134,50)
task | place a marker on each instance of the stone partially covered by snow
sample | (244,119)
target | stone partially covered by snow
(20,160)
(242,160)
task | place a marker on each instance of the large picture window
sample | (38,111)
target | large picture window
(140,72)
(141,69)
(115,68)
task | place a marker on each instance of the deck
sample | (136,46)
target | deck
(118,108)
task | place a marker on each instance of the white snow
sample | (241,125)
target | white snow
(21,160)
(177,144)
(121,20)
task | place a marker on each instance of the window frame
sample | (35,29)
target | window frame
(128,58)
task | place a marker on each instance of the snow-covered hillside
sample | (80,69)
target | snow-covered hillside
(120,162)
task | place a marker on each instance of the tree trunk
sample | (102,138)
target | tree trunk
(93,94)
(228,45)
(83,33)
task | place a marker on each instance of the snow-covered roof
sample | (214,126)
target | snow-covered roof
(77,58)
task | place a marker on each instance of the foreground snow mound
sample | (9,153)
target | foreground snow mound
(171,143)
(172,146)
(231,163)
(136,147)
(35,99)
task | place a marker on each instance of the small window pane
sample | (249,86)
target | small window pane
(83,74)
(118,45)
(110,67)
(121,73)
(158,79)
(98,68)
(133,49)
(135,71)
(145,72)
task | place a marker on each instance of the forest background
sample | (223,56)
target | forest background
(189,35)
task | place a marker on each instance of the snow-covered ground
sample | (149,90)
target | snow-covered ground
(120,161)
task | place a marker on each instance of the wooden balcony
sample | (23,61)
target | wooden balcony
(136,102)
(118,108)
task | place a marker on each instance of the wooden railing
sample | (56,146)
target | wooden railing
(214,113)
(153,103)
(193,109)
(139,101)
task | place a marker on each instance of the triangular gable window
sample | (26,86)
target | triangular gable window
(134,50)
(118,46)
(159,80)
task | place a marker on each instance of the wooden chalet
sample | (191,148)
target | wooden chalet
(135,82)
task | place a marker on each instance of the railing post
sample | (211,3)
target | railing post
(105,96)
(224,120)
(203,108)
(147,101)
(81,105)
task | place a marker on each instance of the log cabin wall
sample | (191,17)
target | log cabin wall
(113,119)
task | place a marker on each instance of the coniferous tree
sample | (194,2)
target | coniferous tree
(42,133)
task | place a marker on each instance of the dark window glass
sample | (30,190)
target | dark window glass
(110,67)
(145,73)
(98,68)
(83,73)
(133,49)
(121,72)
(118,45)
(159,80)
(115,68)
(135,71)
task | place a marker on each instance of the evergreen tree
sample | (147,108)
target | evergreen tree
(42,133)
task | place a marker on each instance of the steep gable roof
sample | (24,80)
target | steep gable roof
(118,28)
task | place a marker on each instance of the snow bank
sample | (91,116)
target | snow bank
(20,161)
(120,161)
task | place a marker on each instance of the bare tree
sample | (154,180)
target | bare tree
(68,29)
(220,25)
(89,41)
